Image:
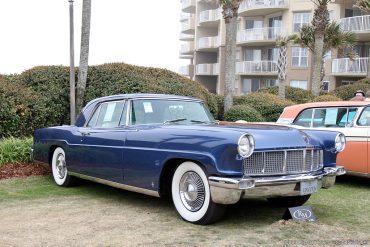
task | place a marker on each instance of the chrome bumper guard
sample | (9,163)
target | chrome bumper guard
(231,190)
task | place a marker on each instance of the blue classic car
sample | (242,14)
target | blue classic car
(171,145)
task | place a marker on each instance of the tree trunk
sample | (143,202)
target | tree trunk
(317,64)
(281,89)
(368,67)
(84,55)
(230,60)
(281,66)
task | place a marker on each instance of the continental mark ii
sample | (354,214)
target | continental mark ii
(171,145)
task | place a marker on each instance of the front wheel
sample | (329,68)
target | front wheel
(289,201)
(191,195)
(59,168)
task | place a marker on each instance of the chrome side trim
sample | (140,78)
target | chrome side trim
(116,185)
(358,174)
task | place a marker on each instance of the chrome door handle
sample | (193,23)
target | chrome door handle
(85,133)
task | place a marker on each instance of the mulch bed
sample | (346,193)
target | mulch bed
(23,170)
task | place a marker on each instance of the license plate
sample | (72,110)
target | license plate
(308,187)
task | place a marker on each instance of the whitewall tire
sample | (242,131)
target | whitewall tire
(59,168)
(191,195)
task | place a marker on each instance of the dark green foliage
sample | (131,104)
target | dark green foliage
(294,94)
(268,105)
(326,97)
(13,150)
(243,112)
(39,97)
(21,109)
(347,92)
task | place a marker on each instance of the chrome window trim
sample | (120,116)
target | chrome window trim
(98,107)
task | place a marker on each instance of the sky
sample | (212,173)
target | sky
(36,32)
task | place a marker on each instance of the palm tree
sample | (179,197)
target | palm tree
(334,38)
(84,55)
(230,14)
(319,23)
(282,43)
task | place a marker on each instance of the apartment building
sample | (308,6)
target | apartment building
(260,23)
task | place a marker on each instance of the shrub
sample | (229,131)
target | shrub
(294,94)
(326,97)
(21,109)
(14,150)
(347,92)
(268,105)
(243,112)
(107,79)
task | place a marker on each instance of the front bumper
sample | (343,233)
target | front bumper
(231,190)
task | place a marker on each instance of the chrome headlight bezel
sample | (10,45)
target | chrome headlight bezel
(340,142)
(246,145)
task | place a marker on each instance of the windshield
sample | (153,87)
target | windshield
(159,111)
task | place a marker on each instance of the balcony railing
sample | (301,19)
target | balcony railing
(209,15)
(188,5)
(255,4)
(356,23)
(188,24)
(350,66)
(256,67)
(208,42)
(259,34)
(186,37)
(185,16)
(207,69)
(184,70)
(187,48)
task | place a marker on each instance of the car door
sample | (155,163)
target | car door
(101,142)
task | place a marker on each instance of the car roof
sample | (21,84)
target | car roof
(142,96)
(294,110)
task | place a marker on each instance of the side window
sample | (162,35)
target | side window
(304,118)
(347,117)
(107,115)
(364,119)
(330,117)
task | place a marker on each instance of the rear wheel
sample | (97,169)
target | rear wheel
(191,195)
(289,201)
(59,168)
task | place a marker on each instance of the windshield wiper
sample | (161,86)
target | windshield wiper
(200,121)
(174,120)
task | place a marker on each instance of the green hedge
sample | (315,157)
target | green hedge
(294,94)
(243,112)
(347,92)
(14,150)
(21,109)
(268,105)
(326,97)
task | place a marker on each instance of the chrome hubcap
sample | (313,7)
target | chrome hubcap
(192,191)
(61,166)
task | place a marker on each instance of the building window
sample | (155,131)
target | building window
(250,85)
(269,83)
(299,84)
(299,57)
(299,20)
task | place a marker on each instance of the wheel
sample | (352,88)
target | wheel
(289,201)
(191,195)
(59,169)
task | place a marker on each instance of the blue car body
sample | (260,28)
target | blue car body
(144,156)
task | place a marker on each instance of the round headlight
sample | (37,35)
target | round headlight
(245,145)
(340,142)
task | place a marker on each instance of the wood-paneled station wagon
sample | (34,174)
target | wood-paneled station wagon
(352,118)
(171,145)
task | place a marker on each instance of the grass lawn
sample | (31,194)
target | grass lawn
(97,215)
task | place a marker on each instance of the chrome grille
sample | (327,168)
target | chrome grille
(283,162)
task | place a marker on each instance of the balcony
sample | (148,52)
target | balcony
(256,68)
(186,70)
(357,24)
(262,36)
(185,16)
(188,6)
(350,67)
(187,48)
(262,7)
(186,37)
(207,69)
(209,18)
(208,43)
(188,26)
